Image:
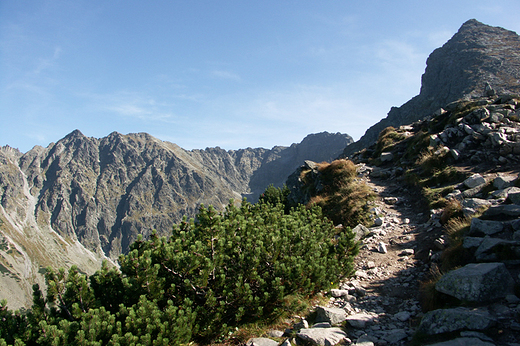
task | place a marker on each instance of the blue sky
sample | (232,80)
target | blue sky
(233,74)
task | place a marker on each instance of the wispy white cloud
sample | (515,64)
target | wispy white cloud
(49,62)
(226,75)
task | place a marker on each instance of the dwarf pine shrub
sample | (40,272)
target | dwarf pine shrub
(211,274)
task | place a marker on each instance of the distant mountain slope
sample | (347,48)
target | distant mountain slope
(475,56)
(84,199)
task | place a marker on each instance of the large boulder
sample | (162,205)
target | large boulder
(485,227)
(450,320)
(464,342)
(503,211)
(477,282)
(490,248)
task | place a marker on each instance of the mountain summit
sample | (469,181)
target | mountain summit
(478,59)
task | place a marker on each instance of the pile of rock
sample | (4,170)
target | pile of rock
(491,132)
(485,286)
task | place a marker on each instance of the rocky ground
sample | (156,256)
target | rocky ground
(381,302)
(384,290)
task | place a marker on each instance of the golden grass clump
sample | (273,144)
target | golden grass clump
(343,198)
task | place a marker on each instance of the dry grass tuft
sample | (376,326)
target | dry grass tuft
(343,197)
(452,209)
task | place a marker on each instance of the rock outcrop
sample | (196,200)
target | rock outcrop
(82,199)
(479,60)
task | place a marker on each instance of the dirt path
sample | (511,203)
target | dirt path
(389,268)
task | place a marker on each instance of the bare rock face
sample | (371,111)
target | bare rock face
(479,60)
(82,200)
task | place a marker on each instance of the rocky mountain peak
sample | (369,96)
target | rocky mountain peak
(477,57)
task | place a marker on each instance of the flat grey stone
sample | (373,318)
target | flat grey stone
(473,334)
(322,336)
(403,316)
(474,181)
(365,340)
(395,335)
(514,195)
(485,227)
(503,181)
(275,334)
(360,321)
(477,282)
(450,320)
(486,252)
(334,316)
(336,293)
(464,342)
(261,342)
(475,203)
(503,210)
(472,242)
(504,193)
(360,232)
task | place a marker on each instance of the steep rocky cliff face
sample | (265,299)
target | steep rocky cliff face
(477,56)
(82,199)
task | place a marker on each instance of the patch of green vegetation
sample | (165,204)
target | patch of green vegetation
(416,145)
(387,140)
(435,197)
(247,265)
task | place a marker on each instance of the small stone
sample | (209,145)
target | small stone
(474,181)
(512,299)
(395,335)
(301,325)
(361,291)
(336,293)
(407,252)
(378,221)
(381,248)
(403,316)
(261,342)
(455,154)
(323,336)
(371,264)
(275,334)
(386,157)
(390,200)
(360,232)
(361,274)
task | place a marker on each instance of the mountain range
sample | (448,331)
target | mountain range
(82,200)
